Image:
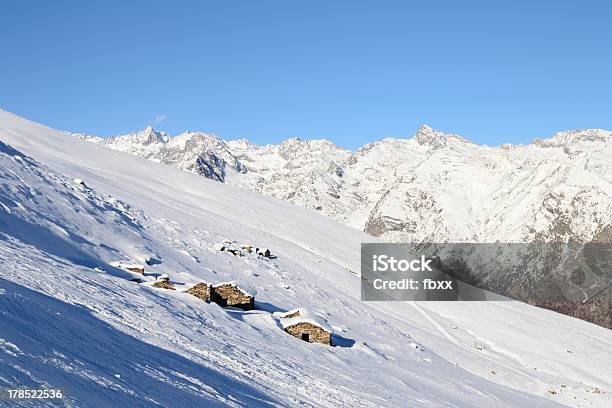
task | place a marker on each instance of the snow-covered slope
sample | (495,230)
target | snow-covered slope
(70,320)
(433,187)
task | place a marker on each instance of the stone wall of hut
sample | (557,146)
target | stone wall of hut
(199,290)
(136,269)
(290,315)
(163,284)
(316,333)
(228,295)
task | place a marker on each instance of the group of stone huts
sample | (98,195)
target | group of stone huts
(298,322)
(236,249)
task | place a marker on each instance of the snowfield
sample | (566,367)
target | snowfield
(71,320)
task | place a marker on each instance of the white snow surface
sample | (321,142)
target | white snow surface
(70,320)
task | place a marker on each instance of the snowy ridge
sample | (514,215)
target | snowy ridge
(71,320)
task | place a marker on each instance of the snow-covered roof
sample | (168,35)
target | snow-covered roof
(283,315)
(125,265)
(201,281)
(304,317)
(247,290)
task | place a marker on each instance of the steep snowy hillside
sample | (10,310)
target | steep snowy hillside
(70,320)
(431,188)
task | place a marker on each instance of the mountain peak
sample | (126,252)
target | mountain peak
(571,137)
(425,128)
(193,138)
(150,135)
(427,136)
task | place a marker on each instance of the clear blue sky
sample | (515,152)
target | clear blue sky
(350,71)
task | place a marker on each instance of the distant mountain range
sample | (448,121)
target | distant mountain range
(433,187)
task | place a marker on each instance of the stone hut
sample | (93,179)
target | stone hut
(300,324)
(265,252)
(200,290)
(230,294)
(289,314)
(231,247)
(163,282)
(137,268)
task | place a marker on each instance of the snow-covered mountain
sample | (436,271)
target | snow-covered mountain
(71,320)
(433,187)
(191,151)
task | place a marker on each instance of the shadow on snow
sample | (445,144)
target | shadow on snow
(106,367)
